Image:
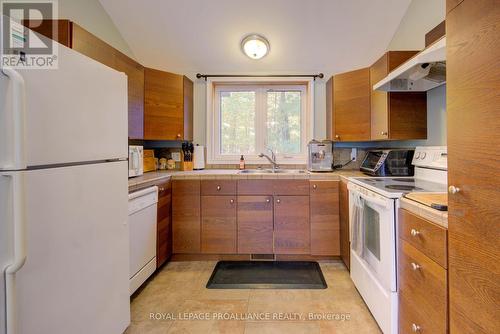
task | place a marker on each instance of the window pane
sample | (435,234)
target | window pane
(237,118)
(283,121)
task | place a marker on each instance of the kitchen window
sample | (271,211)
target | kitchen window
(247,118)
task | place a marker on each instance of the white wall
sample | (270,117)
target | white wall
(421,16)
(92,17)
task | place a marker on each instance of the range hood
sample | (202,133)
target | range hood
(426,70)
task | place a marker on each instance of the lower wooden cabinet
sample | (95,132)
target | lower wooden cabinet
(218,224)
(345,245)
(291,225)
(255,224)
(324,208)
(423,287)
(186,215)
(289,217)
(164,224)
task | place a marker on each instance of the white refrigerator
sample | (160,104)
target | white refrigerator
(64,250)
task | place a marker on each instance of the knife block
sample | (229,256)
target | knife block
(186,165)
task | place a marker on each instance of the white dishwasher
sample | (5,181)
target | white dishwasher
(142,205)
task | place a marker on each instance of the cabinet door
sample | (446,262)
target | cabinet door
(164,224)
(188,109)
(93,47)
(291,225)
(396,115)
(218,224)
(379,100)
(186,216)
(472,86)
(163,105)
(135,80)
(345,247)
(48,28)
(255,224)
(324,206)
(351,105)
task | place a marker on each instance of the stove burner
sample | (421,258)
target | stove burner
(402,187)
(404,180)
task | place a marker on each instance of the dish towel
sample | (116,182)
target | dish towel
(357,226)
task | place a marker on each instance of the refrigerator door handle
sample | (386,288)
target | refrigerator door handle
(19,248)
(18,116)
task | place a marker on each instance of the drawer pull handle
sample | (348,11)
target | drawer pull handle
(415,266)
(414,232)
(162,189)
(268,200)
(218,188)
(415,328)
(278,201)
(231,201)
(315,186)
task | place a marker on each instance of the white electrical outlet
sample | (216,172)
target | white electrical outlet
(354,154)
(176,156)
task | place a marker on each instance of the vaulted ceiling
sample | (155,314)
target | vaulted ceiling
(327,36)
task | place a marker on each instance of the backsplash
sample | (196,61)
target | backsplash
(340,156)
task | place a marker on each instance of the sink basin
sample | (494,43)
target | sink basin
(270,171)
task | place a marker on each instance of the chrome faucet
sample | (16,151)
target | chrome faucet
(271,159)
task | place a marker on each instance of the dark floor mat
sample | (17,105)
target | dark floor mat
(267,275)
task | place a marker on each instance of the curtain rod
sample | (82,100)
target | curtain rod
(314,76)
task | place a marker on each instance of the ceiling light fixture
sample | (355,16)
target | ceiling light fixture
(255,46)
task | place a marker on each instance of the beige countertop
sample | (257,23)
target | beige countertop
(438,217)
(151,178)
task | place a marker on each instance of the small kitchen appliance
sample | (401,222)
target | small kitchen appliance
(389,162)
(320,156)
(135,160)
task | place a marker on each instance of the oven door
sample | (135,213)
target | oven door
(372,226)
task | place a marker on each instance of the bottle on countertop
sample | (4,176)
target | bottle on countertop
(242,162)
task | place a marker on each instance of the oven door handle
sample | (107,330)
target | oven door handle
(373,200)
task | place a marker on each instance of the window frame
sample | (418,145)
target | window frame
(262,85)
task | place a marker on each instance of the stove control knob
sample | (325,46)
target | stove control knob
(417,155)
(423,155)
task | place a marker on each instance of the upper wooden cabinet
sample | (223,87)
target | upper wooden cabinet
(348,106)
(73,36)
(168,106)
(355,112)
(396,116)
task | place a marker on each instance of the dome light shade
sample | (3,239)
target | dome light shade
(255,46)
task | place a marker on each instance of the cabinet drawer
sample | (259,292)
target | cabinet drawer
(218,187)
(427,237)
(422,292)
(290,187)
(255,187)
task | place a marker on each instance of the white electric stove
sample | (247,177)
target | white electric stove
(373,205)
